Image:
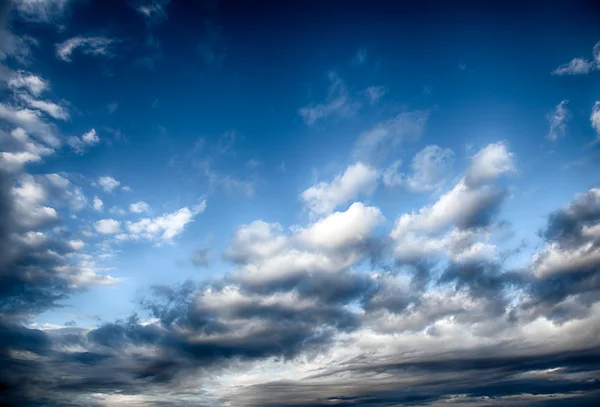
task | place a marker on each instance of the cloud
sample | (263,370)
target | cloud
(580,66)
(558,121)
(108,226)
(337,103)
(430,170)
(19,149)
(28,81)
(153,11)
(97,204)
(361,57)
(375,93)
(202,258)
(81,144)
(324,197)
(595,119)
(95,46)
(490,162)
(577,66)
(379,141)
(31,121)
(41,10)
(471,203)
(162,228)
(139,207)
(108,184)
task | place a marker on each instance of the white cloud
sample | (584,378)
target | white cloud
(29,198)
(108,183)
(139,207)
(31,121)
(385,136)
(558,121)
(489,162)
(52,109)
(32,83)
(108,226)
(98,204)
(469,200)
(76,244)
(337,103)
(375,93)
(80,144)
(595,118)
(117,211)
(165,227)
(577,66)
(580,66)
(95,46)
(430,170)
(325,197)
(19,149)
(342,228)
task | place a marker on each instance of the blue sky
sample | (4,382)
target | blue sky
(375,173)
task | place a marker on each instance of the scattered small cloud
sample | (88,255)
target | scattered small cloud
(375,93)
(338,103)
(94,46)
(108,183)
(139,207)
(580,66)
(558,121)
(81,144)
(97,204)
(107,226)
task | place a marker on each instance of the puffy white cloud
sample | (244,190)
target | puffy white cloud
(29,197)
(164,227)
(31,121)
(97,204)
(139,207)
(107,226)
(95,46)
(25,80)
(76,244)
(430,170)
(325,197)
(384,137)
(52,109)
(490,162)
(19,149)
(342,228)
(108,183)
(558,121)
(470,202)
(577,66)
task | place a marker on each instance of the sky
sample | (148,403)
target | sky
(358,203)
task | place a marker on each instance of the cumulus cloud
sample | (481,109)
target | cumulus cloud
(108,183)
(430,170)
(19,149)
(94,46)
(139,207)
(490,162)
(324,197)
(338,103)
(81,144)
(97,204)
(34,84)
(382,139)
(558,121)
(107,226)
(580,66)
(31,121)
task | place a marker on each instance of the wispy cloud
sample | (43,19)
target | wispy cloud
(558,121)
(580,66)
(337,103)
(95,46)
